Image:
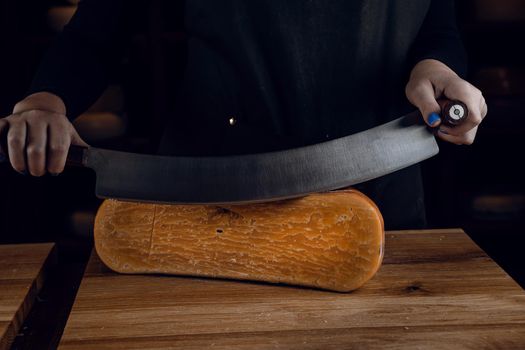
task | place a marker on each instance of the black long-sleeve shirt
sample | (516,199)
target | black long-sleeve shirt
(290,72)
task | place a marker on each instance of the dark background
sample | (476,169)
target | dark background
(478,188)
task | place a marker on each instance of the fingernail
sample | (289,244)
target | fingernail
(54,174)
(22,172)
(433,118)
(443,131)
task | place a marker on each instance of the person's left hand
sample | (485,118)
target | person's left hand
(430,80)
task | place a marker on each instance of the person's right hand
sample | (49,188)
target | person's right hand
(38,137)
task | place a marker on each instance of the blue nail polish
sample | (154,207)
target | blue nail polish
(433,118)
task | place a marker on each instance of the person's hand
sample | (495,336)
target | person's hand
(39,135)
(430,80)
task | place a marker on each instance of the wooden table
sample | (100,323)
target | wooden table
(23,268)
(436,289)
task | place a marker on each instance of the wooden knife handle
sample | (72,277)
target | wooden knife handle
(76,156)
(453,112)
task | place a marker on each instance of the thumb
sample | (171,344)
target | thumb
(422,96)
(77,140)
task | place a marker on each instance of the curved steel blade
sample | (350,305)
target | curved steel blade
(264,176)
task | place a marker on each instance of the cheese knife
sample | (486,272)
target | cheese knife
(263,177)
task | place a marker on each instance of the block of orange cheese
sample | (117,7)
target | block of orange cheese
(331,240)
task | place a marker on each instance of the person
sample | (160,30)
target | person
(264,75)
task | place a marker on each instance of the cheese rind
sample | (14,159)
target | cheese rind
(331,240)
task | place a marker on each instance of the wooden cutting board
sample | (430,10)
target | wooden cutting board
(23,268)
(436,289)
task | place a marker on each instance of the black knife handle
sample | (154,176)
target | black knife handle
(453,112)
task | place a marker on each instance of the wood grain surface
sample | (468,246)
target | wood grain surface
(435,290)
(23,268)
